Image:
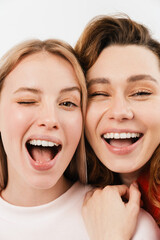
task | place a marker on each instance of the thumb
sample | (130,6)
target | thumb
(134,198)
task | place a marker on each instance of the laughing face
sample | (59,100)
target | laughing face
(123,116)
(40,109)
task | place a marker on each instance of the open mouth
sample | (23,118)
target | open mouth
(121,140)
(42,151)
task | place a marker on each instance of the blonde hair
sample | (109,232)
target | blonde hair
(101,32)
(77,167)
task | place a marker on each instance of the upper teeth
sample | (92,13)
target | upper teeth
(121,135)
(43,143)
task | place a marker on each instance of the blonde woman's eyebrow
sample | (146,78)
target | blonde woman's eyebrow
(141,77)
(97,81)
(70,89)
(28,89)
(38,91)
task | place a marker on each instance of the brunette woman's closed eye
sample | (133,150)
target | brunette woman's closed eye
(142,93)
(96,94)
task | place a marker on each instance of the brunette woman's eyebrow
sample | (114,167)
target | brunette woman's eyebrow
(27,89)
(141,77)
(97,81)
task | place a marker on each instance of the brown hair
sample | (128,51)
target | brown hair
(104,31)
(101,32)
(77,167)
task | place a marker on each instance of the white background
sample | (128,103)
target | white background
(65,19)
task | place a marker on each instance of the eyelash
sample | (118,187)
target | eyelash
(98,94)
(68,104)
(26,102)
(65,104)
(138,93)
(142,93)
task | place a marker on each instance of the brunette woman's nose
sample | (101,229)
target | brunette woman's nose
(120,110)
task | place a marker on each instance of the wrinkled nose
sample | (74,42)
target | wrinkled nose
(120,110)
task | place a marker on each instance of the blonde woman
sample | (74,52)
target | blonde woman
(42,100)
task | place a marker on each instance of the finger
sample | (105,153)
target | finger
(134,196)
(89,195)
(122,190)
(117,191)
(134,193)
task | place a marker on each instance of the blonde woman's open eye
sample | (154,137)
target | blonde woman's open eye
(68,104)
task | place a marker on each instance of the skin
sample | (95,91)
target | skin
(124,97)
(101,212)
(40,99)
(42,113)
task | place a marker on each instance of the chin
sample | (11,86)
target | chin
(43,183)
(121,169)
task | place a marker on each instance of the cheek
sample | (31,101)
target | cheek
(14,124)
(89,124)
(15,121)
(94,115)
(72,126)
(150,115)
(19,119)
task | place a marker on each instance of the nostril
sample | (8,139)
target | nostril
(121,114)
(120,109)
(48,123)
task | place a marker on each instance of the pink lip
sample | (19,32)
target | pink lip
(123,150)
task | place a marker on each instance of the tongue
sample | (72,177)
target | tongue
(120,142)
(41,154)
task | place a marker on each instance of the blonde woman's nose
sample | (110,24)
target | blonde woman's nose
(48,117)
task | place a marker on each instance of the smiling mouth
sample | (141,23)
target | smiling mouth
(121,140)
(42,151)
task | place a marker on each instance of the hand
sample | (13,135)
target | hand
(107,216)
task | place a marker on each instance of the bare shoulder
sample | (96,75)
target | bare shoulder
(147,228)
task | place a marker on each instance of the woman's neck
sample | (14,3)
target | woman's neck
(128,178)
(29,197)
